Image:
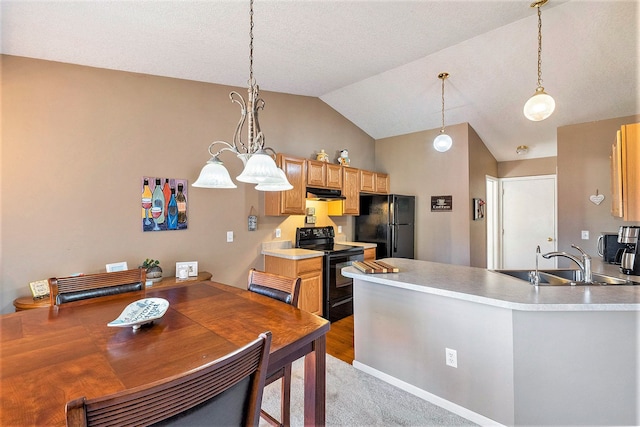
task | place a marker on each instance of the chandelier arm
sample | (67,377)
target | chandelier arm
(237,135)
(228,147)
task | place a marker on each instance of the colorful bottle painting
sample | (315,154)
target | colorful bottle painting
(166,191)
(146,202)
(172,211)
(182,206)
(157,201)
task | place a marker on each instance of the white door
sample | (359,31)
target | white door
(528,221)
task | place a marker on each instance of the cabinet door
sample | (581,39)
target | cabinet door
(351,180)
(311,293)
(367,181)
(382,183)
(630,137)
(334,176)
(616,179)
(316,174)
(370,254)
(291,202)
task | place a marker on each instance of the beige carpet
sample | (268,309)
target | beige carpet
(355,398)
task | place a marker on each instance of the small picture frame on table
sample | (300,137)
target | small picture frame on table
(117,266)
(185,270)
(39,289)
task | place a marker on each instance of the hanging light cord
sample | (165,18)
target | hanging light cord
(538,5)
(443,76)
(251,81)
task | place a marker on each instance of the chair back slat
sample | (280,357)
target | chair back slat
(67,289)
(240,376)
(282,288)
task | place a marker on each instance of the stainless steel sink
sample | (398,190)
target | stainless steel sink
(559,277)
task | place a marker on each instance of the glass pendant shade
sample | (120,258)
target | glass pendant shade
(283,185)
(214,175)
(539,106)
(260,168)
(442,142)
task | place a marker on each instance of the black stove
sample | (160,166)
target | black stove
(337,289)
(322,239)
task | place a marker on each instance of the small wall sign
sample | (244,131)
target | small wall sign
(441,203)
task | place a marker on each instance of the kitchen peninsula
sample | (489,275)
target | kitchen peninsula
(551,355)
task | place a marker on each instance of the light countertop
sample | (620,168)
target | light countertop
(285,249)
(496,289)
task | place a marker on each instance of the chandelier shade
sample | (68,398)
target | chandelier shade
(214,175)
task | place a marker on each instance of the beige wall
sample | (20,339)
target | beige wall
(481,164)
(77,140)
(417,169)
(528,167)
(583,169)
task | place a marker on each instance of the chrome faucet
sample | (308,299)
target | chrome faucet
(534,276)
(584,262)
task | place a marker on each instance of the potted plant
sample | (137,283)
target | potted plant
(154,271)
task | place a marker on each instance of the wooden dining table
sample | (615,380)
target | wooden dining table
(51,356)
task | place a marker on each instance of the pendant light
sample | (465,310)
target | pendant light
(443,141)
(540,105)
(259,166)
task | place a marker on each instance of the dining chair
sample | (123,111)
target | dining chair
(287,290)
(226,391)
(67,289)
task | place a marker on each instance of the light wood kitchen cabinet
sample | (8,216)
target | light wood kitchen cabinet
(625,173)
(310,272)
(324,175)
(382,183)
(290,202)
(351,190)
(374,182)
(370,254)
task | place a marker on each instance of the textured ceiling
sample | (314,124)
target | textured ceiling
(375,62)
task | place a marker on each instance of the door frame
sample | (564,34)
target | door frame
(494,214)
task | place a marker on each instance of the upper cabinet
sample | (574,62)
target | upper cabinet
(303,173)
(290,202)
(625,173)
(324,175)
(351,190)
(374,182)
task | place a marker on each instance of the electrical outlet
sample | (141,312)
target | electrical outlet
(278,232)
(229,236)
(585,234)
(451,357)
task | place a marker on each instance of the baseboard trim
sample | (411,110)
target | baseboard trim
(429,397)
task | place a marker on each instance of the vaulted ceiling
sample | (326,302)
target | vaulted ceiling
(374,61)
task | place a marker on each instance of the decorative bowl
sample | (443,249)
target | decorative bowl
(140,313)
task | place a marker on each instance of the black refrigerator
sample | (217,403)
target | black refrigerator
(388,221)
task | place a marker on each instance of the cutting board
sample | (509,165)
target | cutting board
(371,267)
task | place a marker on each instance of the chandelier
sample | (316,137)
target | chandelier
(540,105)
(258,160)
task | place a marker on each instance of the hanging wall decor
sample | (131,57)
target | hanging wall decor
(164,204)
(478,209)
(441,203)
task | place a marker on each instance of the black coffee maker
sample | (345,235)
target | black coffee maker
(630,261)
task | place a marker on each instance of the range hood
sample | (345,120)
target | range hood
(324,194)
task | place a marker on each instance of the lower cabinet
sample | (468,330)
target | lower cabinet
(310,272)
(370,254)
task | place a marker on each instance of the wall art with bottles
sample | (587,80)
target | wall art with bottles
(164,204)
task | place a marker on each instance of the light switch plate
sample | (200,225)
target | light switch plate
(229,236)
(585,234)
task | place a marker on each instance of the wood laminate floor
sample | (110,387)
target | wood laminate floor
(340,340)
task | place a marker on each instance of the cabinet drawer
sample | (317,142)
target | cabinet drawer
(309,265)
